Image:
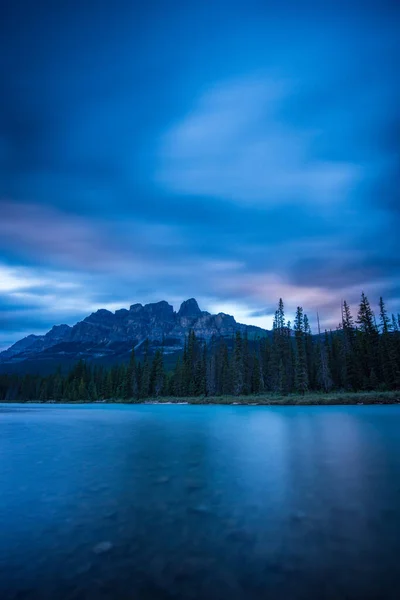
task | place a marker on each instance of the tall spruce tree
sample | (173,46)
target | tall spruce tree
(367,343)
(301,376)
(145,373)
(132,376)
(157,375)
(237,365)
(324,378)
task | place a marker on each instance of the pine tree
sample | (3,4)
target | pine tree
(385,324)
(386,355)
(256,375)
(237,365)
(349,368)
(309,349)
(145,379)
(108,386)
(177,379)
(43,395)
(247,369)
(92,391)
(201,373)
(301,376)
(265,353)
(157,377)
(280,315)
(82,391)
(365,319)
(226,375)
(132,376)
(211,372)
(289,359)
(323,373)
(281,352)
(367,341)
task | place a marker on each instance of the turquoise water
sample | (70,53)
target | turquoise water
(216,502)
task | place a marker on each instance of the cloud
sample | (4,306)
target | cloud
(39,297)
(233,145)
(58,238)
(254,159)
(243,273)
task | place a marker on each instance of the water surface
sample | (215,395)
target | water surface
(216,502)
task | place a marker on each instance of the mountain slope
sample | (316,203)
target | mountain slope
(106,337)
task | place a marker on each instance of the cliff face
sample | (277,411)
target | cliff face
(36,343)
(104,333)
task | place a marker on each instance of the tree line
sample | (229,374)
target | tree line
(361,354)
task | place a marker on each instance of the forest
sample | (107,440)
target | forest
(362,354)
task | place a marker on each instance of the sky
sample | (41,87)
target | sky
(235,152)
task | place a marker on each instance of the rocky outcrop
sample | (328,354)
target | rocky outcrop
(189,309)
(20,346)
(34,344)
(104,330)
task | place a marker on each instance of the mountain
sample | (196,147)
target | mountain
(107,337)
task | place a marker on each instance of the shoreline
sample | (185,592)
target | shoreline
(330,399)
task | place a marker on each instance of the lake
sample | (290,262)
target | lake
(213,502)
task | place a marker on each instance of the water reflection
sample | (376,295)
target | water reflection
(199,502)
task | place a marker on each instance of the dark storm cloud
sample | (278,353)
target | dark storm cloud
(237,153)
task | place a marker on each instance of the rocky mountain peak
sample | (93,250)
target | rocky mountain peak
(58,331)
(135,308)
(102,314)
(111,335)
(190,308)
(161,309)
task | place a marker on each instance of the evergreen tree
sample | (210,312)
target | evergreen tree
(301,376)
(324,378)
(355,356)
(157,376)
(108,386)
(351,366)
(385,324)
(225,378)
(309,350)
(132,376)
(145,379)
(177,383)
(92,390)
(82,391)
(367,342)
(238,366)
(212,373)
(281,355)
(247,368)
(256,375)
(265,354)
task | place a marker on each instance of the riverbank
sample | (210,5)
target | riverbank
(311,399)
(289,400)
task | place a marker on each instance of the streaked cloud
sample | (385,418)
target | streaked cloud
(235,156)
(234,145)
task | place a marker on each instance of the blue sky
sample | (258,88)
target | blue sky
(232,151)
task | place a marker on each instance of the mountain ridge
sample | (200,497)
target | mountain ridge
(112,334)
